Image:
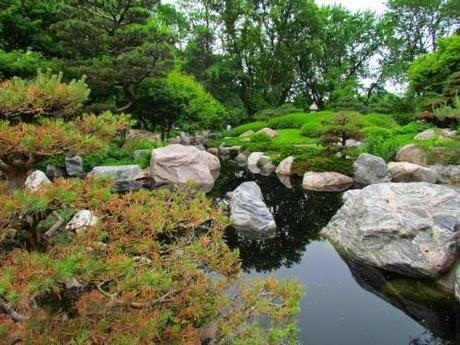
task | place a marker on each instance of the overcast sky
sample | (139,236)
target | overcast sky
(376,5)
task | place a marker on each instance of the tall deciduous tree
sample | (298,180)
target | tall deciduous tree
(415,27)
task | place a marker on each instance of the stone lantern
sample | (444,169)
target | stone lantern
(313,107)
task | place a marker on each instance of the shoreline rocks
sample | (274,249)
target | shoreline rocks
(409,228)
(285,166)
(326,181)
(370,169)
(179,164)
(249,213)
(410,172)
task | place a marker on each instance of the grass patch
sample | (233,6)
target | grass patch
(255,126)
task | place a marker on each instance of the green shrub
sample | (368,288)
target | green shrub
(312,129)
(255,126)
(412,127)
(260,138)
(380,143)
(322,164)
(404,118)
(376,120)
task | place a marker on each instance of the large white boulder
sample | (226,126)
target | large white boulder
(179,164)
(409,228)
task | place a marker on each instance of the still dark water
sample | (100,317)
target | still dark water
(346,303)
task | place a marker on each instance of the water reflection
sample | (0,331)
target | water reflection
(437,312)
(359,306)
(299,216)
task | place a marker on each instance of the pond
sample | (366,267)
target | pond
(346,303)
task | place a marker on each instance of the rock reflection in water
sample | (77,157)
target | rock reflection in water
(299,215)
(423,302)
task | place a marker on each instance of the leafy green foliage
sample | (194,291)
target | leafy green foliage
(178,99)
(297,120)
(254,126)
(268,114)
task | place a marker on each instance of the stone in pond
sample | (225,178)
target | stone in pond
(409,228)
(249,213)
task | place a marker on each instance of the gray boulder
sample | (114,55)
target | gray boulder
(409,172)
(185,139)
(119,173)
(448,174)
(409,228)
(36,180)
(229,150)
(285,166)
(370,169)
(430,133)
(249,213)
(178,164)
(326,181)
(74,166)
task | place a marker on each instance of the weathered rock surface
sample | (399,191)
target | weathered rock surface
(178,164)
(408,228)
(249,213)
(410,172)
(241,160)
(285,166)
(119,172)
(326,181)
(253,161)
(74,166)
(266,165)
(435,132)
(268,131)
(448,174)
(457,284)
(229,150)
(413,154)
(370,169)
(35,180)
(81,220)
(214,151)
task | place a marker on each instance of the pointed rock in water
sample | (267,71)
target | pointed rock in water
(409,228)
(285,166)
(326,181)
(370,169)
(410,172)
(265,165)
(249,213)
(35,180)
